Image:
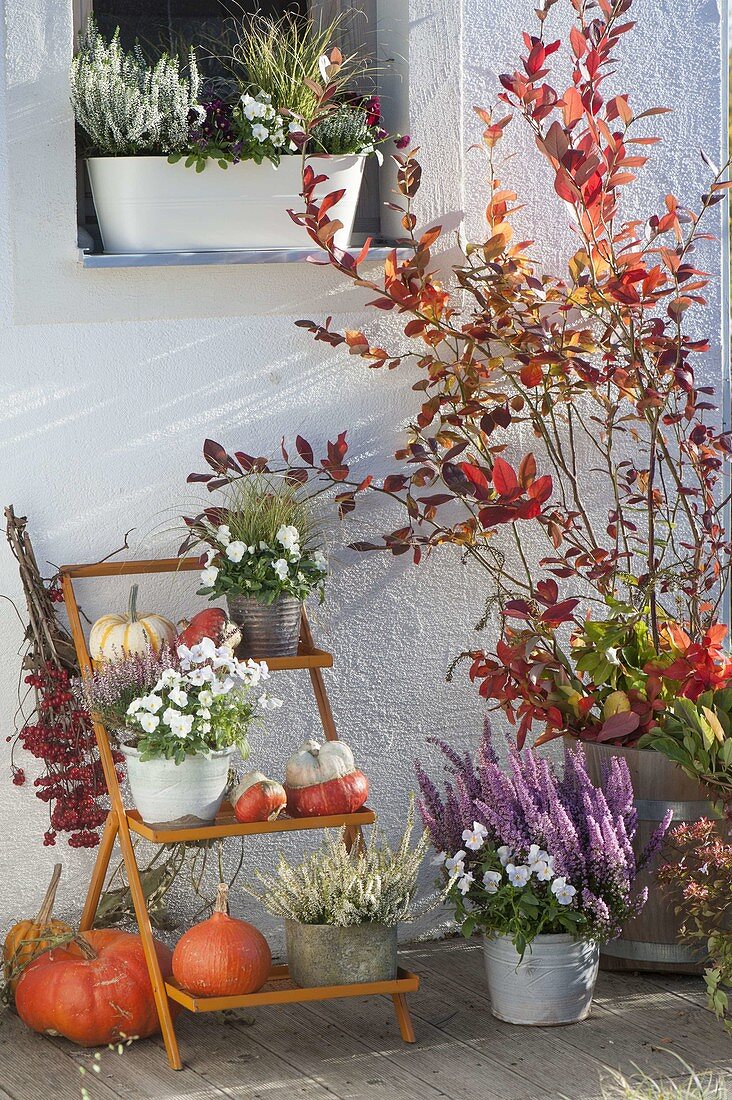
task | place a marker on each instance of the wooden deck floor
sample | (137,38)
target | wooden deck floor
(350,1050)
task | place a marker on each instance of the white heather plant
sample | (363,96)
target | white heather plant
(334,886)
(126,106)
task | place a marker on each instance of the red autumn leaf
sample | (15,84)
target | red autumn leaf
(619,726)
(505,481)
(560,612)
(531,375)
(541,489)
(478,478)
(527,470)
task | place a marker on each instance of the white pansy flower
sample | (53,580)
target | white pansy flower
(260,132)
(264,545)
(518,876)
(465,881)
(535,854)
(197,677)
(612,656)
(205,727)
(456,864)
(491,881)
(203,712)
(182,725)
(269,112)
(253,109)
(438,860)
(281,568)
(289,537)
(562,890)
(210,555)
(205,698)
(295,554)
(223,534)
(178,696)
(223,686)
(269,702)
(149,722)
(319,561)
(504,854)
(252,549)
(295,126)
(278,139)
(542,870)
(134,706)
(152,703)
(235,551)
(473,839)
(208,576)
(170,715)
(170,677)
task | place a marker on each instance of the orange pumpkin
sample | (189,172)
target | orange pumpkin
(30,938)
(114,637)
(94,992)
(257,798)
(222,956)
(209,623)
(321,780)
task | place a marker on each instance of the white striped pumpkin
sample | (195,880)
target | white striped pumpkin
(114,637)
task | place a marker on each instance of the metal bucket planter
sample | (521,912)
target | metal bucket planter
(323,954)
(267,630)
(167,793)
(552,984)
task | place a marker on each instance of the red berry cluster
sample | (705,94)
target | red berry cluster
(62,737)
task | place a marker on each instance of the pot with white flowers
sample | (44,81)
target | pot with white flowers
(173,170)
(180,718)
(342,909)
(264,558)
(543,868)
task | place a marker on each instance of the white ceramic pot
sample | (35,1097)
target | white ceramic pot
(552,984)
(178,794)
(145,204)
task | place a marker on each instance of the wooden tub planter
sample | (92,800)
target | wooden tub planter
(651,940)
(122,823)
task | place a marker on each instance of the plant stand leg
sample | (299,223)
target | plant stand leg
(403,1018)
(104,854)
(148,945)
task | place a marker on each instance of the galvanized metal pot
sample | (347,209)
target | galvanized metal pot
(267,630)
(178,794)
(552,984)
(323,954)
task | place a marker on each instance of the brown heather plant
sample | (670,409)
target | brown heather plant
(600,365)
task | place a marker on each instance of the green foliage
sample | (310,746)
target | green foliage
(279,56)
(643,1087)
(343,131)
(696,735)
(126,106)
(334,886)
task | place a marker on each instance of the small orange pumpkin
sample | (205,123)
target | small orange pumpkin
(30,938)
(257,798)
(222,956)
(94,992)
(114,637)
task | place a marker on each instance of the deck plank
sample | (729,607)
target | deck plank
(351,1049)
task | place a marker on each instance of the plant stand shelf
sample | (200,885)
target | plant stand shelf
(122,823)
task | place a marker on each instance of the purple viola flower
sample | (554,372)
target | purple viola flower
(403,141)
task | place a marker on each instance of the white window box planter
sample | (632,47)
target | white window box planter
(146,205)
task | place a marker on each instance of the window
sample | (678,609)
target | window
(170,25)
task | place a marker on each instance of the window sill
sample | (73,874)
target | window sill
(377,253)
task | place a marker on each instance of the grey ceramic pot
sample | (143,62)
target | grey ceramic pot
(322,954)
(552,984)
(267,630)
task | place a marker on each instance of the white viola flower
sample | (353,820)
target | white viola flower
(178,696)
(208,576)
(264,545)
(203,712)
(456,864)
(170,715)
(562,890)
(253,109)
(295,126)
(210,555)
(319,561)
(223,534)
(260,132)
(205,698)
(269,702)
(203,651)
(181,725)
(535,854)
(134,706)
(475,838)
(612,656)
(235,551)
(504,854)
(197,677)
(149,722)
(465,881)
(438,860)
(281,568)
(491,881)
(153,703)
(518,876)
(542,870)
(289,537)
(171,676)
(205,727)
(269,111)
(222,686)
(278,139)
(252,549)
(295,554)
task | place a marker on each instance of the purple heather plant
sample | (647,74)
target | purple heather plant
(525,850)
(113,686)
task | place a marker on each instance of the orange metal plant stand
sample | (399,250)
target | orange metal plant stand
(121,823)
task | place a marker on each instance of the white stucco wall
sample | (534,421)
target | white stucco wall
(109,381)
